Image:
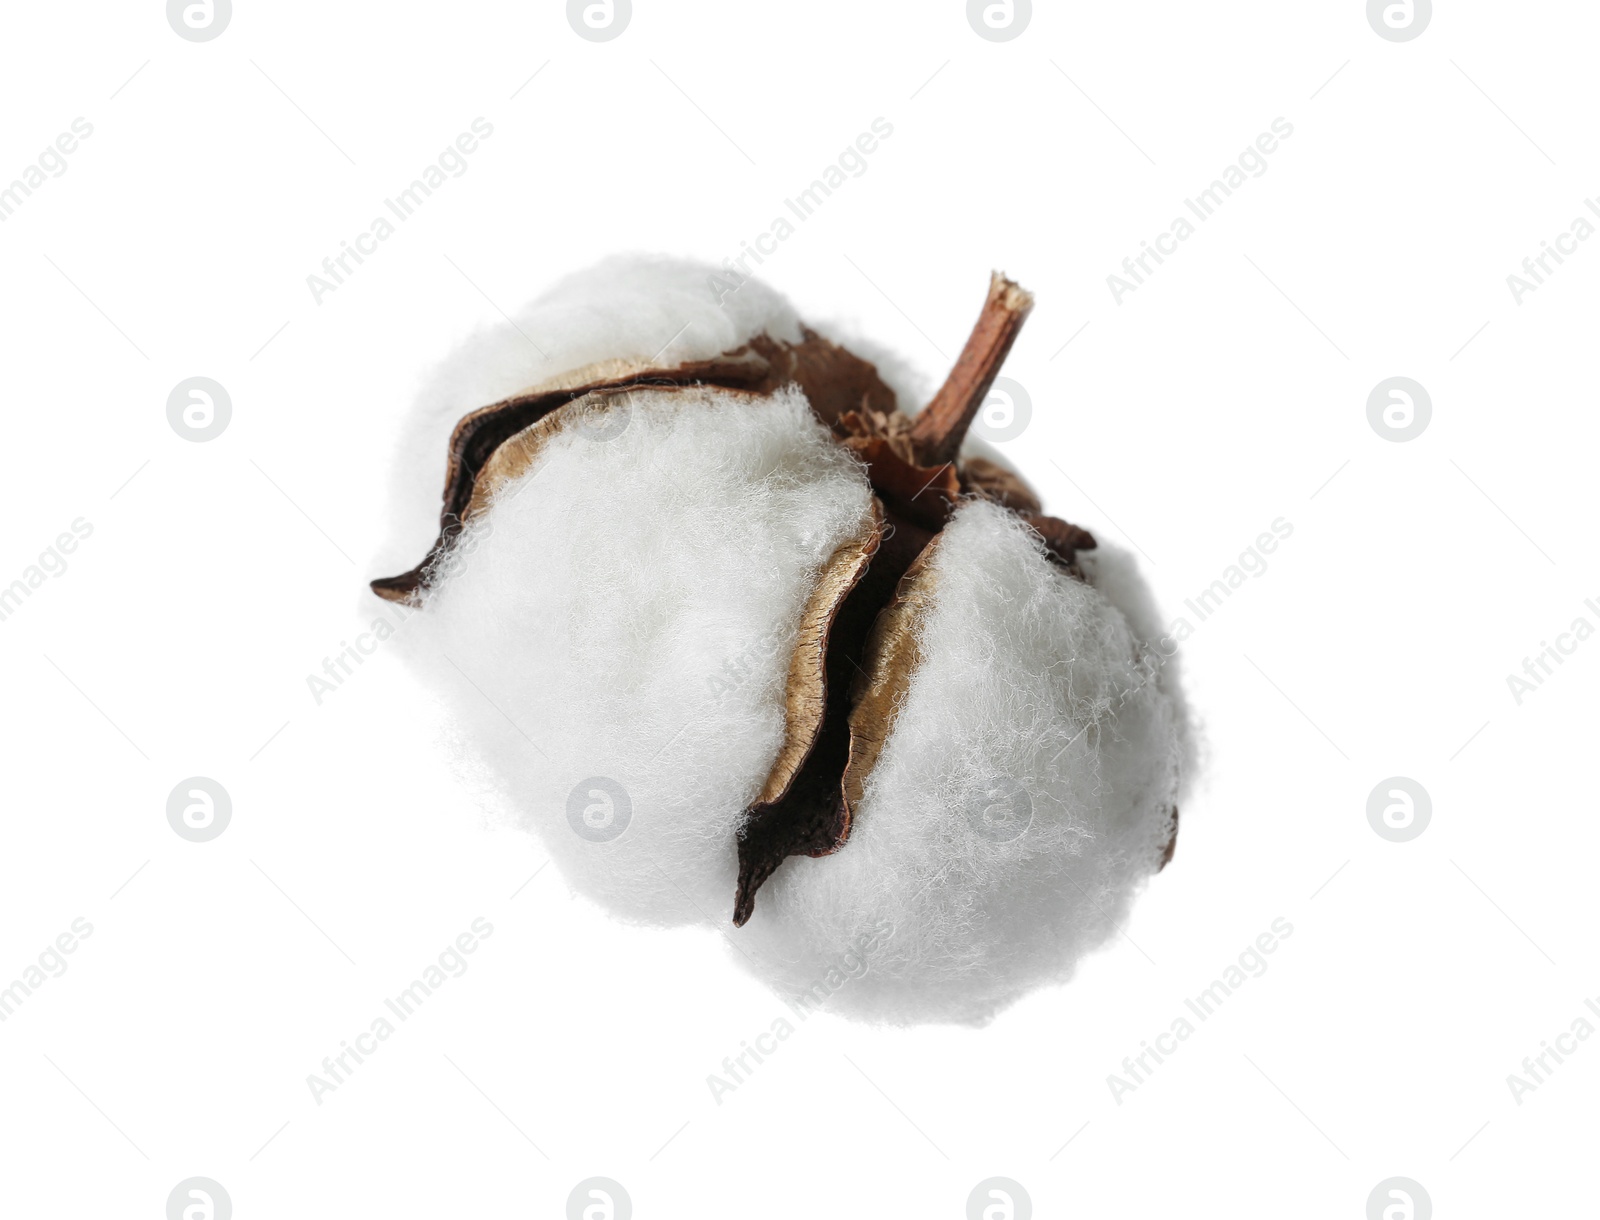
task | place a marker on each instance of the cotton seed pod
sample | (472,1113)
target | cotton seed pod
(741,639)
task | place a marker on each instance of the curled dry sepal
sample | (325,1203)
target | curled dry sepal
(856,646)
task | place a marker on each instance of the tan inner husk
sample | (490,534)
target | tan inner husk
(892,657)
(805,694)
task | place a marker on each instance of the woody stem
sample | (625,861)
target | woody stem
(937,432)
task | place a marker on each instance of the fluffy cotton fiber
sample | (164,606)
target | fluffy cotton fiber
(657,310)
(1033,700)
(626,612)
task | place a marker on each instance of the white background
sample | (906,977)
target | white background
(1228,391)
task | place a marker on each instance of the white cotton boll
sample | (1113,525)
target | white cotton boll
(1115,572)
(626,308)
(626,611)
(612,637)
(1030,682)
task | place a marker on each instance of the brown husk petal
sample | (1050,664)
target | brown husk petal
(805,692)
(810,817)
(834,380)
(916,493)
(516,456)
(1062,540)
(892,656)
(994,482)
